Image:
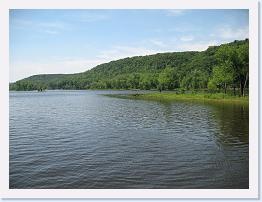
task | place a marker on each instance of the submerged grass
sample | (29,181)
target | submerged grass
(170,96)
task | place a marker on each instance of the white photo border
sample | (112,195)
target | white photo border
(252,192)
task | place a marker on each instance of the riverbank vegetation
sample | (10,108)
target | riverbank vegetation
(171,96)
(219,69)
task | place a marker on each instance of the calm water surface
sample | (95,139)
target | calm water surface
(82,139)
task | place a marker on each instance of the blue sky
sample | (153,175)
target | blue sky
(70,41)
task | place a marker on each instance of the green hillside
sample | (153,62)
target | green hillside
(217,68)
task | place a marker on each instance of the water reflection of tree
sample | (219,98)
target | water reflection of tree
(167,111)
(232,121)
(229,122)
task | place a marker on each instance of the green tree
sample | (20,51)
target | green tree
(145,82)
(238,57)
(168,79)
(222,76)
(133,81)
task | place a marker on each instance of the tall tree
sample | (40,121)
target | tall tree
(238,57)
(222,76)
(168,79)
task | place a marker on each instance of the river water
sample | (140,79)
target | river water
(82,139)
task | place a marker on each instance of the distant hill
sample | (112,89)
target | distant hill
(191,69)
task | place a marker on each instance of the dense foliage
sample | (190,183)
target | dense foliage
(218,68)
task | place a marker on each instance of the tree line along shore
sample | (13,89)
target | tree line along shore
(221,71)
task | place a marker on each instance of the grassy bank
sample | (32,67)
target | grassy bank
(169,96)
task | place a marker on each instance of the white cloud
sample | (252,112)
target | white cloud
(55,25)
(226,32)
(186,38)
(50,31)
(44,27)
(118,52)
(90,17)
(20,23)
(175,12)
(199,46)
(51,27)
(157,42)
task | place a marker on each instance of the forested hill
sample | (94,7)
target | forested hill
(218,67)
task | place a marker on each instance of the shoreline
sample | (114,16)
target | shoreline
(170,96)
(166,96)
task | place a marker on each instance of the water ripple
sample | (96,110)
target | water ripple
(81,139)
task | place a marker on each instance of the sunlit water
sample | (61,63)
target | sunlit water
(82,139)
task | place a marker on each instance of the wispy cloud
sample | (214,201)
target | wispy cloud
(56,27)
(185,27)
(90,17)
(20,23)
(53,27)
(196,46)
(118,52)
(50,31)
(157,43)
(227,32)
(175,12)
(187,38)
